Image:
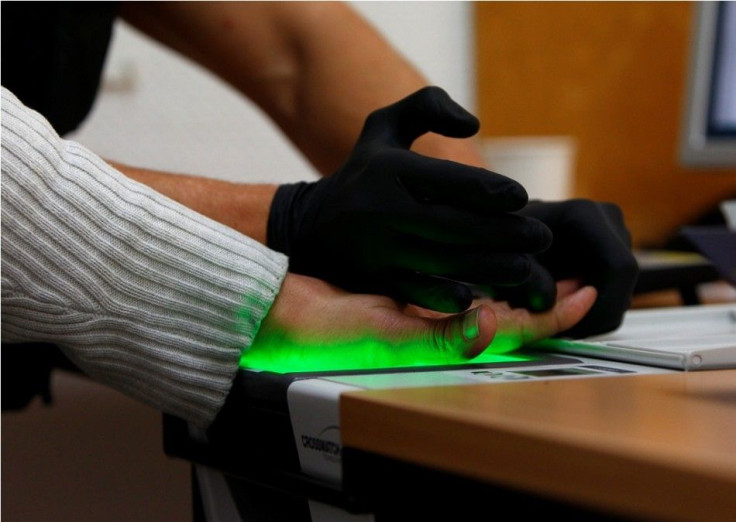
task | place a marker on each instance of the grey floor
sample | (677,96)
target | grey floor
(93,455)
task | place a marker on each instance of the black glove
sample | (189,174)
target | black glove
(396,223)
(591,243)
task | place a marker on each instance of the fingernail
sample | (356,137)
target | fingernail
(471,326)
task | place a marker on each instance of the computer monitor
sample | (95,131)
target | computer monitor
(709,127)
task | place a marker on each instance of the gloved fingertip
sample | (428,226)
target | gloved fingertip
(543,300)
(445,115)
(440,295)
(517,196)
(462,297)
(447,300)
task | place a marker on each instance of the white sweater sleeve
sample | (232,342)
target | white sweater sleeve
(142,293)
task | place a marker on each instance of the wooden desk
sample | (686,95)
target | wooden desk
(661,447)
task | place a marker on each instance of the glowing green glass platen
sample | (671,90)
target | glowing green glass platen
(282,356)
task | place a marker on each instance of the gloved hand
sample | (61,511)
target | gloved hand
(590,243)
(411,227)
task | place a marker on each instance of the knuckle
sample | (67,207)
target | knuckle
(438,338)
(629,265)
(376,118)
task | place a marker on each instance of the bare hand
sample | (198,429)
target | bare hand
(313,325)
(517,327)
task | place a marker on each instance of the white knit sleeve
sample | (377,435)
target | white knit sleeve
(142,293)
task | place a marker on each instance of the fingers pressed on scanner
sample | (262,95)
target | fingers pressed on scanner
(517,327)
(478,326)
(566,287)
(607,313)
(614,280)
(458,336)
(573,309)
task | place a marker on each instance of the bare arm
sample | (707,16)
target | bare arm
(242,207)
(317,68)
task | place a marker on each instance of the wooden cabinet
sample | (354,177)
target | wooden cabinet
(613,76)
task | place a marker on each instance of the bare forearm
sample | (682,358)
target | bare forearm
(242,207)
(317,68)
(349,71)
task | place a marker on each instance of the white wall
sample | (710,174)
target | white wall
(160,111)
(437,37)
(96,455)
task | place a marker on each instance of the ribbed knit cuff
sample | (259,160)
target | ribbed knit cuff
(139,291)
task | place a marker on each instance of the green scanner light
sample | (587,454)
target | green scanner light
(282,356)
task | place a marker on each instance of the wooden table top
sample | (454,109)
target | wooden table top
(661,446)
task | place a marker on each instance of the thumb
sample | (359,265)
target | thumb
(463,335)
(427,110)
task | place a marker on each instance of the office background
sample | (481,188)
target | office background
(596,89)
(612,76)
